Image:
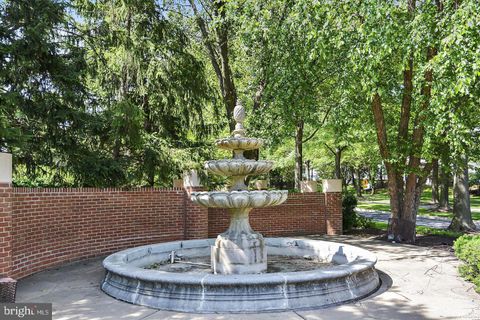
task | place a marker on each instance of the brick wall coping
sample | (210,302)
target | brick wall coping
(126,189)
(88,189)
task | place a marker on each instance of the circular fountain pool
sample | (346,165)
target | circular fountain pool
(344,273)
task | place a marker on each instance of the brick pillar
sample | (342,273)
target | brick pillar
(196,224)
(6,196)
(333,206)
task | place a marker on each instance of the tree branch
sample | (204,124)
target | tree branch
(329,148)
(259,94)
(380,126)
(211,51)
(406,102)
(407,91)
(263,81)
(230,93)
(321,125)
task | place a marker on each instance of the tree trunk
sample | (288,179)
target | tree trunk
(348,179)
(380,176)
(444,180)
(149,155)
(395,181)
(358,187)
(371,180)
(338,158)
(298,154)
(219,56)
(354,180)
(435,181)
(404,197)
(462,214)
(307,170)
(230,92)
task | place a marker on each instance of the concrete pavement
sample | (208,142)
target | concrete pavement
(417,283)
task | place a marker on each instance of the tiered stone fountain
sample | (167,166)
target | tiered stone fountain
(239,250)
(237,281)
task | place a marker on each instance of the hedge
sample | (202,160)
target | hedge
(467,249)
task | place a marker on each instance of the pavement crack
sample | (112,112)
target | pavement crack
(148,315)
(401,295)
(301,317)
(433,269)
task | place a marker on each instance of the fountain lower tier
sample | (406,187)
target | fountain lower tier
(239,250)
(238,167)
(240,199)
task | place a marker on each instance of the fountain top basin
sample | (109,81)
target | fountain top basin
(239,199)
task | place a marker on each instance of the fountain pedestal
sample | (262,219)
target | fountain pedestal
(239,250)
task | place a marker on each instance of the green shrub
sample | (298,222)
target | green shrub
(351,219)
(467,249)
(349,202)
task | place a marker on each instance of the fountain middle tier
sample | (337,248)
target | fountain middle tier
(238,167)
(239,143)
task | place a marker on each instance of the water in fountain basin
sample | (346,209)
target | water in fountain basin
(276,263)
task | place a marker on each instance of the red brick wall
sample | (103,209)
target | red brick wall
(53,226)
(42,228)
(302,213)
(5,229)
(333,218)
(197,217)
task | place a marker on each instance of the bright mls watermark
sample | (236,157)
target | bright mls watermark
(26,311)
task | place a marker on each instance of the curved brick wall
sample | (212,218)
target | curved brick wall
(42,228)
(302,213)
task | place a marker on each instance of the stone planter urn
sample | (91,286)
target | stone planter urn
(178,183)
(261,184)
(191,178)
(332,185)
(308,186)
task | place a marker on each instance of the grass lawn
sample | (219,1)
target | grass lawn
(379,201)
(426,231)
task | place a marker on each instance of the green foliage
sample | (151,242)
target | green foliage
(151,88)
(113,93)
(474,178)
(467,249)
(349,202)
(426,231)
(42,115)
(100,93)
(351,219)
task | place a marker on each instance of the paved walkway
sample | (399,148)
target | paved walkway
(428,206)
(427,221)
(417,283)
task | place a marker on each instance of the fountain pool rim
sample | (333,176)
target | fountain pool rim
(127,280)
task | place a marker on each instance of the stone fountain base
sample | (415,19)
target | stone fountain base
(244,255)
(352,276)
(239,250)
